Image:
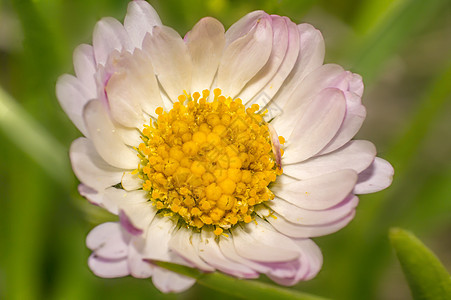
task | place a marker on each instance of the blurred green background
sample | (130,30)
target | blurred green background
(402,48)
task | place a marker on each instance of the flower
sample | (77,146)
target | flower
(221,150)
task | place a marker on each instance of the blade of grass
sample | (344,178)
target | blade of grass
(34,140)
(246,289)
(427,278)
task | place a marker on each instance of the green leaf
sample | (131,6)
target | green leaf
(242,288)
(427,277)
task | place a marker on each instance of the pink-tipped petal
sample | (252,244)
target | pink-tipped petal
(304,231)
(109,35)
(135,211)
(356,155)
(128,225)
(278,81)
(107,268)
(353,120)
(318,193)
(140,19)
(228,249)
(320,122)
(85,66)
(292,105)
(375,178)
(210,252)
(108,241)
(93,196)
(279,49)
(139,268)
(244,58)
(73,95)
(310,57)
(302,216)
(243,26)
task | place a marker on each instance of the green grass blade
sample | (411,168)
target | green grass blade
(427,277)
(241,288)
(34,140)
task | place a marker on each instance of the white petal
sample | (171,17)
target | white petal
(321,121)
(130,136)
(139,268)
(257,243)
(277,82)
(312,256)
(135,70)
(228,249)
(170,282)
(131,182)
(108,268)
(185,243)
(293,104)
(124,107)
(375,178)
(157,240)
(108,241)
(109,35)
(356,84)
(305,231)
(170,59)
(90,168)
(244,57)
(85,67)
(244,25)
(353,120)
(302,216)
(140,19)
(137,208)
(205,45)
(209,251)
(93,196)
(319,192)
(106,141)
(308,265)
(73,95)
(279,49)
(356,155)
(310,57)
(115,200)
(312,50)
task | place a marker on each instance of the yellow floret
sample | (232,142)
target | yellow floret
(208,161)
(190,148)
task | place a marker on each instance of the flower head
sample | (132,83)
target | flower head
(221,150)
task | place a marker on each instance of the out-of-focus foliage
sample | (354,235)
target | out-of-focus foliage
(401,47)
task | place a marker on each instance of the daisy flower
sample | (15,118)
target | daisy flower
(222,150)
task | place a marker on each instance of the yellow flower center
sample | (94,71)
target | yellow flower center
(209,162)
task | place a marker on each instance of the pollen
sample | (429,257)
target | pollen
(208,160)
